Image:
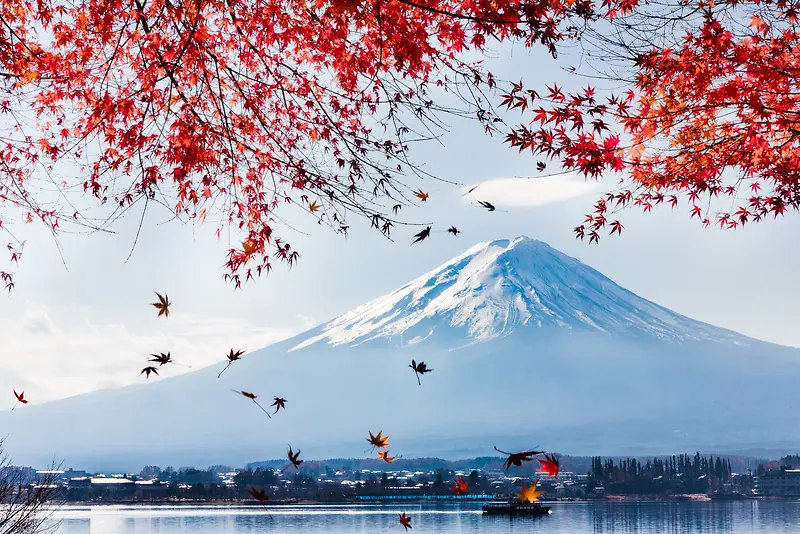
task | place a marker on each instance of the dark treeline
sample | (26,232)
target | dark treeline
(575,464)
(347,479)
(484,463)
(306,485)
(677,474)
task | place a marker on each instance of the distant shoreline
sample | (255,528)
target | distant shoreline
(307,502)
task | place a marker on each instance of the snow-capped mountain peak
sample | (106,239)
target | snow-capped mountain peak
(499,287)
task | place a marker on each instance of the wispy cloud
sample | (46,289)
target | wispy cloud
(307,321)
(529,192)
(53,354)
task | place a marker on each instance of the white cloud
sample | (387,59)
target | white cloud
(38,322)
(57,353)
(529,192)
(307,321)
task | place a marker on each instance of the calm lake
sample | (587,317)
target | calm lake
(573,518)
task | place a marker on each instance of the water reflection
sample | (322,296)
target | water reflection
(667,517)
(717,517)
(747,517)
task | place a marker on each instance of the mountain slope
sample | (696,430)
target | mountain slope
(528,346)
(495,288)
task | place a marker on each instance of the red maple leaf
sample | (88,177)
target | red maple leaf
(550,465)
(461,487)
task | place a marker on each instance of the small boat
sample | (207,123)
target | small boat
(515,507)
(728,496)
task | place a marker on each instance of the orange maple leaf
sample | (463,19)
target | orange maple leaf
(530,494)
(385,457)
(378,440)
(461,487)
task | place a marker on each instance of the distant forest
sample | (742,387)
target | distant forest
(683,473)
(581,465)
(349,479)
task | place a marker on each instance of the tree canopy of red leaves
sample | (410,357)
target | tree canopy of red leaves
(232,110)
(711,110)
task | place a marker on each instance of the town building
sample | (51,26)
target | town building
(111,488)
(783,482)
(150,489)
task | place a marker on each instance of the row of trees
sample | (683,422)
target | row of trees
(266,476)
(683,473)
(671,467)
(365,483)
(185,475)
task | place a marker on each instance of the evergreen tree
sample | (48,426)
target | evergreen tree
(439,484)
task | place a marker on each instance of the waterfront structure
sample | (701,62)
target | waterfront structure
(783,482)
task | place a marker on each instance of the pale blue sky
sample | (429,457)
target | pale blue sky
(88,327)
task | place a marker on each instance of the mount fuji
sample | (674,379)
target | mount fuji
(529,347)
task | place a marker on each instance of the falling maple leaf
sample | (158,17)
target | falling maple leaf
(550,465)
(147,370)
(516,458)
(313,206)
(453,230)
(529,494)
(421,195)
(279,402)
(162,305)
(163,359)
(294,458)
(252,397)
(405,521)
(232,357)
(461,487)
(20,399)
(385,457)
(378,441)
(423,235)
(419,369)
(486,205)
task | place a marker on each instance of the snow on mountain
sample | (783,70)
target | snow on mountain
(549,352)
(497,287)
